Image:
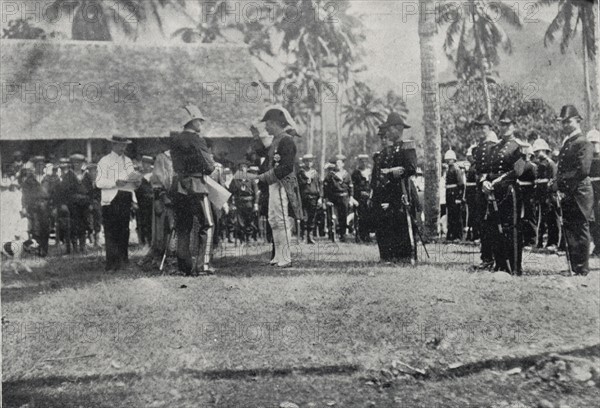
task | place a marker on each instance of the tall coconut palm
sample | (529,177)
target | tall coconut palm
(363,113)
(431,117)
(474,35)
(320,42)
(92,18)
(597,20)
(569,16)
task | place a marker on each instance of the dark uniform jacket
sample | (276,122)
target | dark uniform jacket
(73,191)
(34,193)
(482,156)
(191,159)
(595,179)
(506,159)
(244,191)
(362,188)
(574,163)
(546,171)
(310,183)
(337,184)
(387,187)
(454,184)
(280,166)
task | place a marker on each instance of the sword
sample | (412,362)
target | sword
(164,257)
(406,205)
(492,199)
(561,222)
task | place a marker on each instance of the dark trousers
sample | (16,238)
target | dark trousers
(144,221)
(529,218)
(487,229)
(454,219)
(187,207)
(79,222)
(309,203)
(548,223)
(392,235)
(363,224)
(340,203)
(472,219)
(115,219)
(40,224)
(576,230)
(244,219)
(508,244)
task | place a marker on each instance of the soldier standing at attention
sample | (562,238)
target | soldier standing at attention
(339,191)
(526,184)
(244,202)
(361,179)
(78,201)
(473,222)
(481,157)
(504,202)
(35,202)
(454,197)
(145,199)
(573,182)
(392,194)
(548,217)
(593,137)
(311,191)
(94,214)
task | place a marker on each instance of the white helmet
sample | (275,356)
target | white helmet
(593,136)
(450,155)
(540,144)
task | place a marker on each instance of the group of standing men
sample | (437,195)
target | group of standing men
(513,199)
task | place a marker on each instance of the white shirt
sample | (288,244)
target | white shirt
(111,168)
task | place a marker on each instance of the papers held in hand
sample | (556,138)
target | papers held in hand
(132,182)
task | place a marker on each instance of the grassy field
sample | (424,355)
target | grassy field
(318,334)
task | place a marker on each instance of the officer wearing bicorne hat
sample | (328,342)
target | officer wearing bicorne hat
(394,194)
(279,150)
(593,137)
(573,182)
(506,165)
(311,190)
(116,178)
(548,216)
(454,197)
(361,180)
(192,163)
(481,162)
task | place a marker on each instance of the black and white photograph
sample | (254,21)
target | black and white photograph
(300,203)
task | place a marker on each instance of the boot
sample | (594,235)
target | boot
(309,239)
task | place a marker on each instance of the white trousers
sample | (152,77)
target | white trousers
(281,223)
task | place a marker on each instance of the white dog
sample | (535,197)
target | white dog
(12,254)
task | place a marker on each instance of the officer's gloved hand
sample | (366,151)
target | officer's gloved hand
(353,202)
(319,202)
(385,206)
(487,187)
(255,208)
(226,208)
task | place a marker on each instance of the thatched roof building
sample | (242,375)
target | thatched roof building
(82,91)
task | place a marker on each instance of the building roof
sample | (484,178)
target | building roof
(87,89)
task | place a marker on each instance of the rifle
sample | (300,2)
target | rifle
(406,204)
(356,233)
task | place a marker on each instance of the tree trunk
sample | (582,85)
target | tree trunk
(486,91)
(586,84)
(338,114)
(323,126)
(431,119)
(311,131)
(597,64)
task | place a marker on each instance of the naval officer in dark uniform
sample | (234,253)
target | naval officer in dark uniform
(574,162)
(481,159)
(393,194)
(311,191)
(504,201)
(361,179)
(454,197)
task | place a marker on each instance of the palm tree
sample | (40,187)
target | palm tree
(570,14)
(474,36)
(319,42)
(91,18)
(431,118)
(363,112)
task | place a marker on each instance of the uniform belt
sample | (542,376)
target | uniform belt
(448,186)
(470,184)
(525,183)
(542,181)
(340,194)
(594,178)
